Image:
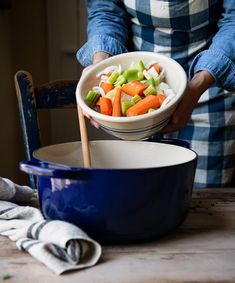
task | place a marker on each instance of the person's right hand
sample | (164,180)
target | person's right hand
(98,57)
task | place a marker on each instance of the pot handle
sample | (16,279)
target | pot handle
(38,168)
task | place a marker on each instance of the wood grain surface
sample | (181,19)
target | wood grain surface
(202,249)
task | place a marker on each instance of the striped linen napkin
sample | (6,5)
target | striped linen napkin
(60,245)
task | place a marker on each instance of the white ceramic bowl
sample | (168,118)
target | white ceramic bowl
(142,126)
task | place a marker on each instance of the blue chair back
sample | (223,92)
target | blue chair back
(55,94)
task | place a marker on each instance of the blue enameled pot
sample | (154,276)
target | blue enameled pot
(135,191)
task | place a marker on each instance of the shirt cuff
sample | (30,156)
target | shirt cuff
(99,43)
(218,65)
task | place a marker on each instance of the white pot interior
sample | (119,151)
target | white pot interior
(111,154)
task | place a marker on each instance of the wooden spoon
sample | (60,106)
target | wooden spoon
(84,139)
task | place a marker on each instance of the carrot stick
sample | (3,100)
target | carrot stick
(106,87)
(117,103)
(142,107)
(106,106)
(134,88)
(161,98)
(157,68)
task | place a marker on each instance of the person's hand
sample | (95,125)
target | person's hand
(98,57)
(195,88)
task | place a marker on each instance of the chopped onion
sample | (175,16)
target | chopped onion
(101,81)
(153,73)
(162,75)
(106,70)
(99,89)
(119,69)
(111,94)
(150,64)
(168,92)
(163,86)
(167,100)
(104,78)
(126,97)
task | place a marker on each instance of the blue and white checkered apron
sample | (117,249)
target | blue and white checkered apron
(211,129)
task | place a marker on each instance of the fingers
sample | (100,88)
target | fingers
(98,57)
(93,122)
(87,69)
(183,112)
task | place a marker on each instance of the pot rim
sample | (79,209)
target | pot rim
(169,141)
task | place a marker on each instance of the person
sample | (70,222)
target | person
(200,35)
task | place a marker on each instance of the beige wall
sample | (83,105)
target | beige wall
(23,37)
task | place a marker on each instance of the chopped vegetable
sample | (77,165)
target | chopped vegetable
(161,98)
(120,81)
(106,106)
(157,68)
(112,78)
(117,103)
(92,97)
(139,65)
(142,107)
(136,98)
(106,86)
(147,75)
(167,100)
(134,88)
(99,90)
(131,75)
(151,81)
(149,90)
(153,73)
(126,105)
(163,86)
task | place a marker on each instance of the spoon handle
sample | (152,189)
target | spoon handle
(84,139)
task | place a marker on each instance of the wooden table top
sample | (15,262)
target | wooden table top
(202,249)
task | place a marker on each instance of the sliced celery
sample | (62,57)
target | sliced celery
(125,105)
(135,99)
(139,65)
(92,96)
(147,75)
(120,81)
(131,75)
(140,75)
(113,77)
(151,81)
(149,90)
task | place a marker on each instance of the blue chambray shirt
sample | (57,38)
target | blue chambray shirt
(199,34)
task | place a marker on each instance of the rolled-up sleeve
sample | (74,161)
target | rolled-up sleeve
(219,59)
(107,30)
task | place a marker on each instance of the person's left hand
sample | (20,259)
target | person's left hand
(195,88)
(97,57)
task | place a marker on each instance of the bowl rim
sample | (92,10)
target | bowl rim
(96,115)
